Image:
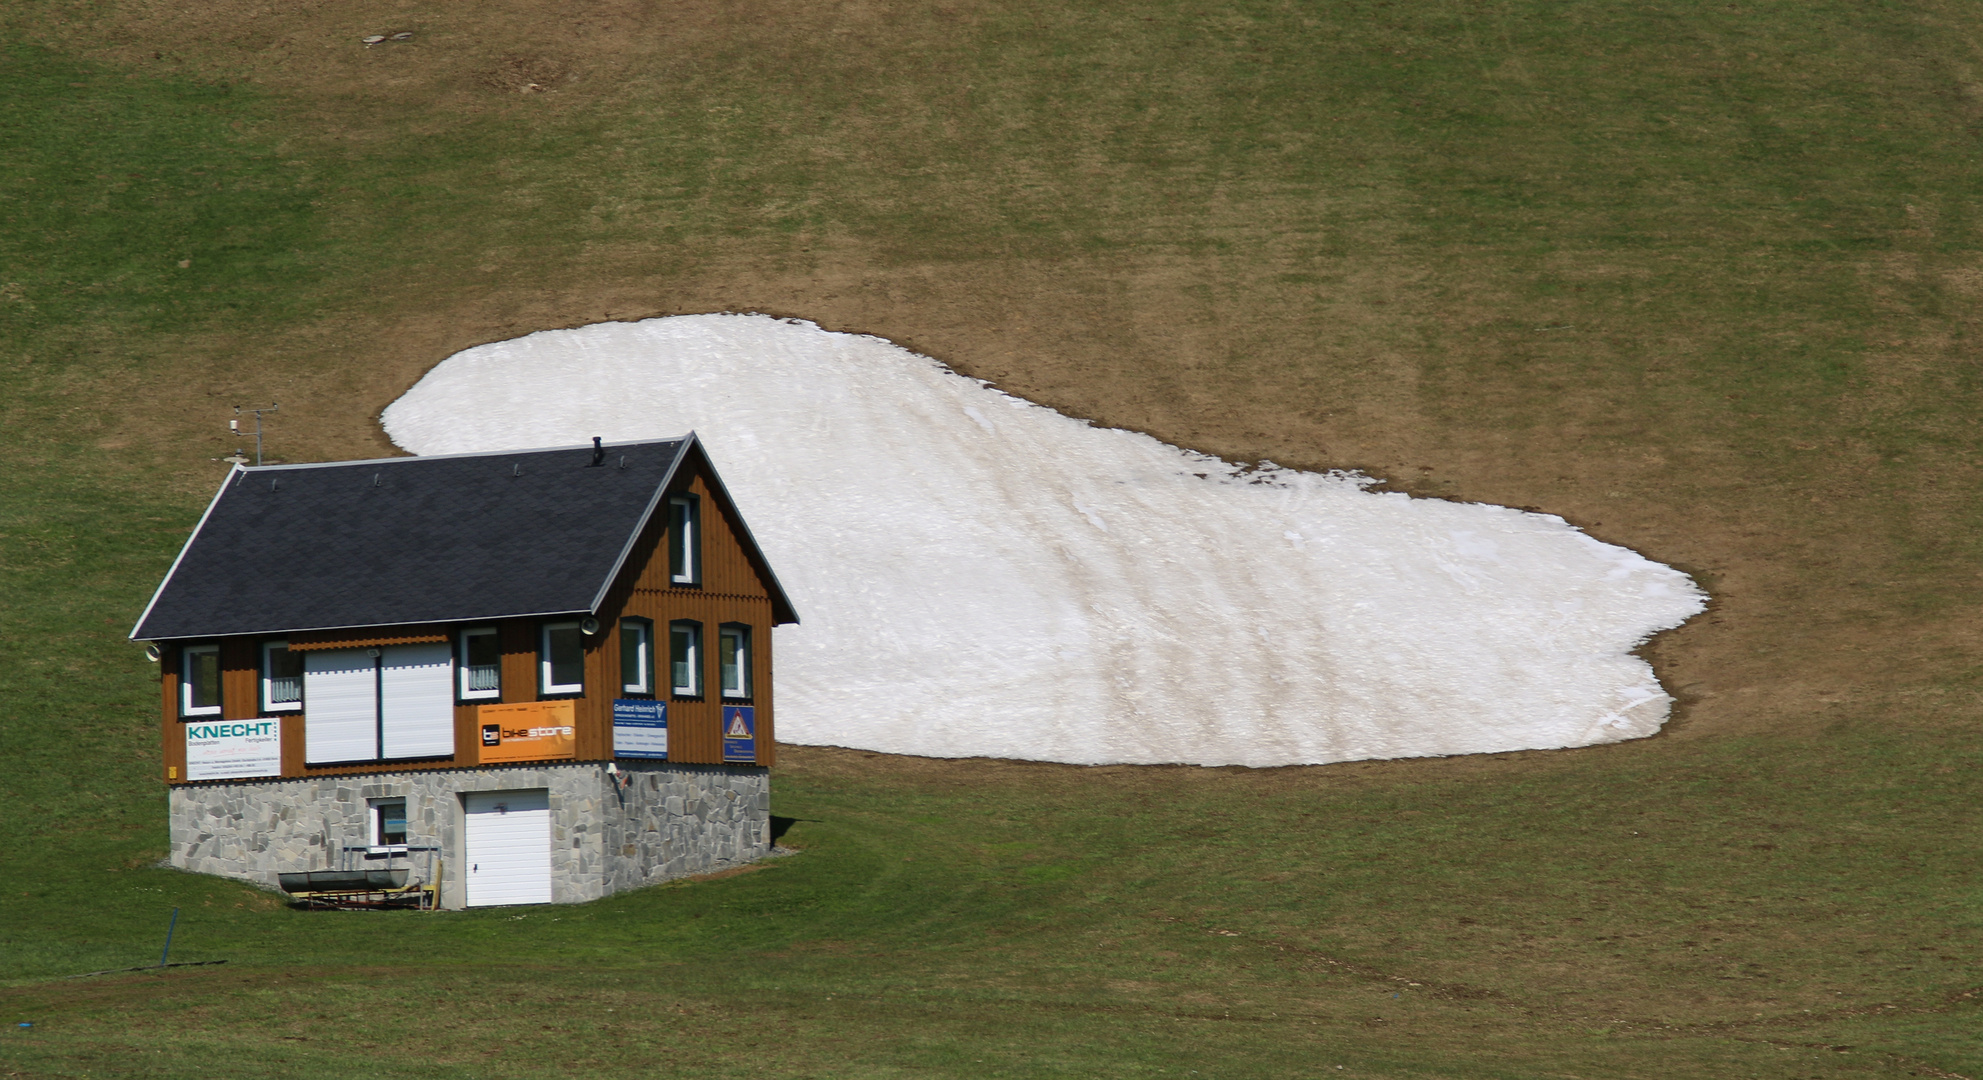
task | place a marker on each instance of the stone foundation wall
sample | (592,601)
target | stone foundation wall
(656,821)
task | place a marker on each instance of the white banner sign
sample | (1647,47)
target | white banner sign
(232,749)
(640,728)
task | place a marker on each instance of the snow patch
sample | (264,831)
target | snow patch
(1011,582)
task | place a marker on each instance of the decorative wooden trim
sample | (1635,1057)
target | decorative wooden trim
(691,590)
(349,639)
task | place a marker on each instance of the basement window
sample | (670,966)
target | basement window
(199,680)
(389,823)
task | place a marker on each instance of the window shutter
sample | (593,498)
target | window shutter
(416,691)
(340,703)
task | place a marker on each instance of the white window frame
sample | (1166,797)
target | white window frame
(643,630)
(693,688)
(544,684)
(186,655)
(462,671)
(379,845)
(742,634)
(269,704)
(685,540)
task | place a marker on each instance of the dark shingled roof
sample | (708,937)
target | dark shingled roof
(414,540)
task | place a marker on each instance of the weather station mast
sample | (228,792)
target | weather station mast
(234,427)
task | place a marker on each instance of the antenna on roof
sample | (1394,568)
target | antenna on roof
(598,453)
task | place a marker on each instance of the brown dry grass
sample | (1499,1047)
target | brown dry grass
(1222,352)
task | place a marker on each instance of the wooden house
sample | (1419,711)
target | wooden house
(535,676)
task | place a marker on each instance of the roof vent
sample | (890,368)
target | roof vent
(598,453)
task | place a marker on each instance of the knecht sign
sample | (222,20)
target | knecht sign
(233,749)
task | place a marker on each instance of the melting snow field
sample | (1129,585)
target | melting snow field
(979,575)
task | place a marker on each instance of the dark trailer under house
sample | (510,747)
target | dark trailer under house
(524,676)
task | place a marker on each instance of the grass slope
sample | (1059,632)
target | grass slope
(1700,277)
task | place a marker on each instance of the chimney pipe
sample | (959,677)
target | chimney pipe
(598,453)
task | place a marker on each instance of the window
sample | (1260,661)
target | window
(636,656)
(685,658)
(684,540)
(561,659)
(733,660)
(282,678)
(199,680)
(389,823)
(479,665)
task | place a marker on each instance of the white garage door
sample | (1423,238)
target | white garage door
(509,847)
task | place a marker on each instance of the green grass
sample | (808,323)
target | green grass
(131,206)
(1702,273)
(1622,912)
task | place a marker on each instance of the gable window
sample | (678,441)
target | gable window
(636,656)
(685,658)
(685,540)
(479,665)
(389,823)
(733,660)
(282,678)
(561,659)
(199,680)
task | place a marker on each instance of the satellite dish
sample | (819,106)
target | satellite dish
(152,651)
(589,627)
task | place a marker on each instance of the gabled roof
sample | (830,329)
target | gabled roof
(448,538)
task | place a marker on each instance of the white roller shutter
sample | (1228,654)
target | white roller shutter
(416,700)
(340,706)
(509,847)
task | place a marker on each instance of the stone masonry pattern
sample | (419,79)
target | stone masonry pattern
(654,821)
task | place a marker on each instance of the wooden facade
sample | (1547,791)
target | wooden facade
(734,588)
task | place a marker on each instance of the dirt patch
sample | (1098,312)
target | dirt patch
(526,75)
(733,871)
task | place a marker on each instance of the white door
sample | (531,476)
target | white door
(416,700)
(340,706)
(509,847)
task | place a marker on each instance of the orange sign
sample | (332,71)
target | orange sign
(527,731)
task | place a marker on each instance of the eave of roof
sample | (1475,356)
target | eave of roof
(183,549)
